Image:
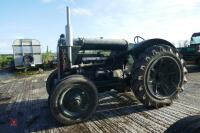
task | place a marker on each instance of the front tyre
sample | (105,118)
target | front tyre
(73,100)
(158,76)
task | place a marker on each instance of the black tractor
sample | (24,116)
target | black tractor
(151,69)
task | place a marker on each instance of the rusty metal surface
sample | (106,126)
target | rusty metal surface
(24,109)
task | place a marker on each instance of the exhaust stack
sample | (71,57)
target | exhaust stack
(69,36)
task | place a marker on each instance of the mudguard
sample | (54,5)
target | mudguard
(138,48)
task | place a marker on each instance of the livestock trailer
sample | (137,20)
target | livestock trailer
(27,53)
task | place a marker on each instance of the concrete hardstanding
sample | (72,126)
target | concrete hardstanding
(25,102)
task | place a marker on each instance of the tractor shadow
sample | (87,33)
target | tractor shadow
(34,115)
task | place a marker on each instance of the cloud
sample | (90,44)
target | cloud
(168,19)
(81,12)
(19,37)
(3,44)
(172,20)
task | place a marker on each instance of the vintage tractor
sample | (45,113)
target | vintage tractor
(151,69)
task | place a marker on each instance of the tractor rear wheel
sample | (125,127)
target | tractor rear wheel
(158,76)
(51,81)
(73,100)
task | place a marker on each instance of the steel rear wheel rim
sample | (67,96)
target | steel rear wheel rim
(163,77)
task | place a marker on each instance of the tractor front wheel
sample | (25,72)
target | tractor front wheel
(73,100)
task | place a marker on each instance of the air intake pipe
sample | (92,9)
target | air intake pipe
(69,36)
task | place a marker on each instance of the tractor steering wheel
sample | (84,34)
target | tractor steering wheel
(138,39)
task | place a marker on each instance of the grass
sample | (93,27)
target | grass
(5,60)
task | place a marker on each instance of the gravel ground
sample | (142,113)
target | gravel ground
(23,108)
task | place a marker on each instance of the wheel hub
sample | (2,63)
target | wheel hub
(74,102)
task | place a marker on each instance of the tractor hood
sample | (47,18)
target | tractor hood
(101,44)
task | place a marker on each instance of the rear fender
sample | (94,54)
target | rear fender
(137,49)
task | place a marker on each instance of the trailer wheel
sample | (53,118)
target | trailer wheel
(28,59)
(158,76)
(73,100)
(51,82)
(189,124)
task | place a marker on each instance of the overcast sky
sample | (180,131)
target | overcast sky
(45,20)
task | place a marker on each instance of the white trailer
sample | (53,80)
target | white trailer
(27,52)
